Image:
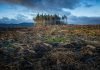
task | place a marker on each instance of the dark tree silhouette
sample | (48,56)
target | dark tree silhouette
(49,19)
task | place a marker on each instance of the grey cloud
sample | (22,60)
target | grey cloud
(71,20)
(18,19)
(84,20)
(45,4)
(6,20)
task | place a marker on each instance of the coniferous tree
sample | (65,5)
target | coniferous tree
(44,19)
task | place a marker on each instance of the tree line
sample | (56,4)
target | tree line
(43,19)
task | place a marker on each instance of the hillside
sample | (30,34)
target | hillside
(53,47)
(24,24)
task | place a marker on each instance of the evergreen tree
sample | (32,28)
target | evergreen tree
(48,19)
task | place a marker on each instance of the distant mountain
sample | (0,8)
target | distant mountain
(24,24)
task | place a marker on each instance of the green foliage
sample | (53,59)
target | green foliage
(55,39)
(7,44)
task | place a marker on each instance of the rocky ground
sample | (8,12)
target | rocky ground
(50,48)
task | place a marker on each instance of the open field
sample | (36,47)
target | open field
(53,47)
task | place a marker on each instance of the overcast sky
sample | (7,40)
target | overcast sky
(78,11)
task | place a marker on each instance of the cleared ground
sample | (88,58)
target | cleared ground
(55,47)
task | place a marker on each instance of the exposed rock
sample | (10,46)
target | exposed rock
(91,47)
